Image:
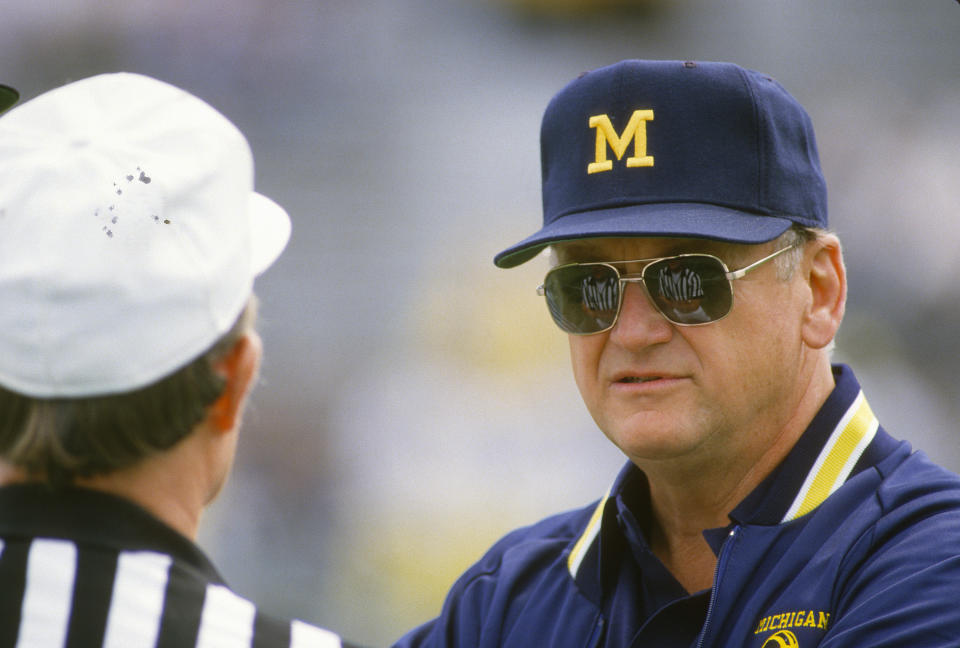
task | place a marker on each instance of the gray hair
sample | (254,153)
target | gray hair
(797,237)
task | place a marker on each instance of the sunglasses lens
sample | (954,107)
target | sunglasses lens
(689,290)
(583,298)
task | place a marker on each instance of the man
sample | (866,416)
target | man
(130,236)
(762,504)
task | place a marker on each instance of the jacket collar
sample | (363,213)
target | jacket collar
(843,439)
(88,516)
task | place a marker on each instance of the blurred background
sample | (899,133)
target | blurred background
(416,402)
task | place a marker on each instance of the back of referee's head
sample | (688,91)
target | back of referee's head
(130,238)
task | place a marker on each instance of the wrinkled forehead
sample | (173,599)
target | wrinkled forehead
(631,248)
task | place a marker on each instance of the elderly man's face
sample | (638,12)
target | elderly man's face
(664,392)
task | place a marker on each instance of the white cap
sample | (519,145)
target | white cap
(130,235)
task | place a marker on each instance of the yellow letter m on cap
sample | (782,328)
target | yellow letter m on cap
(636,130)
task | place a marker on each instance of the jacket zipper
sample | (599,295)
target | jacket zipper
(718,572)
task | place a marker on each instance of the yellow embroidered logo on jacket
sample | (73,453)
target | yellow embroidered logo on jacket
(782,639)
(797,619)
(636,130)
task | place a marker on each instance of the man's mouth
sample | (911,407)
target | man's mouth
(638,379)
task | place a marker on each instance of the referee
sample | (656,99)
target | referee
(130,236)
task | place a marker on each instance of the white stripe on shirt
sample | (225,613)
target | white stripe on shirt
(304,635)
(836,461)
(226,620)
(48,596)
(136,607)
(586,538)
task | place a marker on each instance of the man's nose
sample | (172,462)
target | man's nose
(639,323)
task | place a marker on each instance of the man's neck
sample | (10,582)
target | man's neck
(173,485)
(688,497)
(175,504)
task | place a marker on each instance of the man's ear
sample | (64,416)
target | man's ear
(826,279)
(239,367)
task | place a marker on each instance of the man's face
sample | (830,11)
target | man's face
(665,392)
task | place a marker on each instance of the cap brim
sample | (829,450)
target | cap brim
(681,220)
(8,97)
(269,231)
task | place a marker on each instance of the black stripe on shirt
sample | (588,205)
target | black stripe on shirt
(269,632)
(13,579)
(92,591)
(180,625)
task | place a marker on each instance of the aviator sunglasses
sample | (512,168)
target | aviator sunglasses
(687,289)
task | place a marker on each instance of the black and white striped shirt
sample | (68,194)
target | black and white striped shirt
(81,569)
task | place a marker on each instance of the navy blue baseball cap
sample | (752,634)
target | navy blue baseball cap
(678,149)
(8,97)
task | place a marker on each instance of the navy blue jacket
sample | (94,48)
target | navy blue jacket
(853,540)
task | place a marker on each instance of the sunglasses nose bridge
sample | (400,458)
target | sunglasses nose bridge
(626,278)
(636,278)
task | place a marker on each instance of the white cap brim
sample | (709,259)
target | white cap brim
(269,231)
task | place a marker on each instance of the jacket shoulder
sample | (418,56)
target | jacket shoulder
(527,565)
(545,539)
(917,483)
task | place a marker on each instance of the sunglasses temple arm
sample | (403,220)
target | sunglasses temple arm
(737,274)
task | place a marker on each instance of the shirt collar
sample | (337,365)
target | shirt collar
(83,515)
(843,439)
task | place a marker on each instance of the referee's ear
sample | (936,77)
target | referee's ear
(239,367)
